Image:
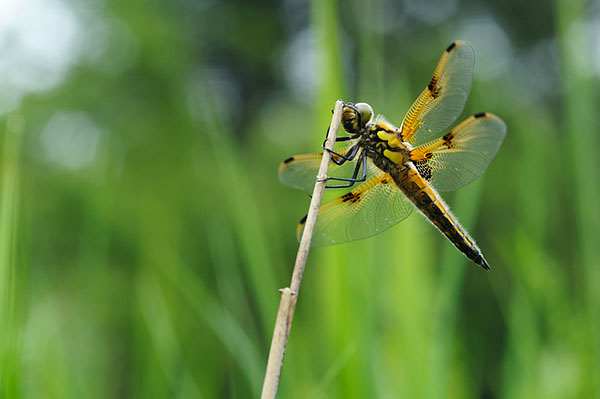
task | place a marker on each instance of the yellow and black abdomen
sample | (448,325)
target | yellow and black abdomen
(431,205)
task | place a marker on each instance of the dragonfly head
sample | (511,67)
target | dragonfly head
(356,116)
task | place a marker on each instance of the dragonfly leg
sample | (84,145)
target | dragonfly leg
(350,181)
(349,156)
(338,139)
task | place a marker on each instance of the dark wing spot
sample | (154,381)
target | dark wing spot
(303,219)
(385,181)
(448,139)
(432,83)
(290,159)
(351,197)
(480,115)
(451,47)
(429,155)
(433,87)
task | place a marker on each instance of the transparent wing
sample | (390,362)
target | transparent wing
(442,101)
(462,154)
(300,171)
(372,207)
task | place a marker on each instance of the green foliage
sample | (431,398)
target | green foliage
(144,234)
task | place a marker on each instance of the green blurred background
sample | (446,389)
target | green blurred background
(144,233)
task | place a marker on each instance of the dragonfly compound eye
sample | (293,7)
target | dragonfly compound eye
(366,112)
(356,116)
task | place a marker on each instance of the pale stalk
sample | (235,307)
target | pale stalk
(289,295)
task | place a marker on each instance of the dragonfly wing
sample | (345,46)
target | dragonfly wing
(462,154)
(300,171)
(442,101)
(372,207)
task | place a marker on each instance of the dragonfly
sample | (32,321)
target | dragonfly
(392,170)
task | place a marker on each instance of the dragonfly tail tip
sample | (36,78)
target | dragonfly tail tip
(480,260)
(484,264)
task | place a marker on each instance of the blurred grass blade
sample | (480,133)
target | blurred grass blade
(580,109)
(237,191)
(10,348)
(224,325)
(325,26)
(163,335)
(333,371)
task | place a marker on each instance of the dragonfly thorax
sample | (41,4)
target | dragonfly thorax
(382,139)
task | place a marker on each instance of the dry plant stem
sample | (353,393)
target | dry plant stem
(289,295)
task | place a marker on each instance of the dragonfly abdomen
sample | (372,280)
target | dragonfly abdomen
(431,205)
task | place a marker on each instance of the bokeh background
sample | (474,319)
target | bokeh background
(144,233)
